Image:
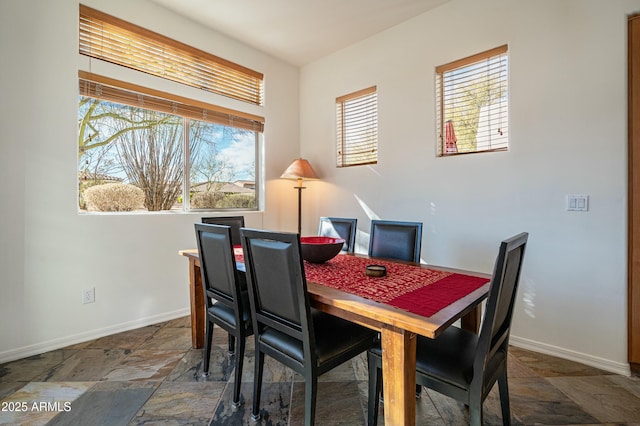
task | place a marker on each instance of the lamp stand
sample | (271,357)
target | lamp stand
(299,188)
(300,169)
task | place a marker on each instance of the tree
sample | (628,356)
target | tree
(152,157)
(144,145)
(207,164)
(465,111)
(146,148)
(94,129)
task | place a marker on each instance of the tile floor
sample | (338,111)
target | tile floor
(152,376)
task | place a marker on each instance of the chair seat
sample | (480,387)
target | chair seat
(334,337)
(227,315)
(448,358)
(330,329)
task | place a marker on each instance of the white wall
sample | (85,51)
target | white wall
(567,136)
(48,252)
(567,130)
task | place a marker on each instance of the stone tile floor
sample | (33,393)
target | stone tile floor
(152,376)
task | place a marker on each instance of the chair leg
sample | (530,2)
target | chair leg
(475,411)
(310,396)
(232,343)
(235,404)
(257,384)
(503,387)
(375,383)
(207,349)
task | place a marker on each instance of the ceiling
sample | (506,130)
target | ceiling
(299,31)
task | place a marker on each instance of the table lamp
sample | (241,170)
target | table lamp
(300,169)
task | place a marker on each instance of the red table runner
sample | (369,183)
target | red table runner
(419,290)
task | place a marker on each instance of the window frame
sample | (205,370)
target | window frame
(365,105)
(123,93)
(501,54)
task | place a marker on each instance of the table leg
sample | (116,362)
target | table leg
(399,376)
(471,321)
(196,293)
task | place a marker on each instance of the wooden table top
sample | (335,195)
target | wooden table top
(374,314)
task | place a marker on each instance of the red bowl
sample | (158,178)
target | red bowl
(320,249)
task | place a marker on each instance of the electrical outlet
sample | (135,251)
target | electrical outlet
(89,295)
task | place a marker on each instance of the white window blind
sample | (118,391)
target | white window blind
(472,111)
(109,89)
(357,128)
(111,39)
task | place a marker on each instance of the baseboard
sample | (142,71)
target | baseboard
(40,348)
(590,360)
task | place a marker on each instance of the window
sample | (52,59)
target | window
(161,152)
(472,111)
(147,150)
(113,40)
(357,128)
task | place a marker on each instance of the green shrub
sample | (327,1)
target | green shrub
(238,201)
(114,197)
(83,185)
(220,200)
(206,200)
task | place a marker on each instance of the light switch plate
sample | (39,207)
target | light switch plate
(577,203)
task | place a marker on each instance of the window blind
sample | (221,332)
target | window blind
(472,111)
(109,89)
(111,39)
(357,128)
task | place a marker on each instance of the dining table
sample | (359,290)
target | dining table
(410,300)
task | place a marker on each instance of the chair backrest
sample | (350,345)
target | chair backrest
(277,285)
(339,227)
(220,278)
(496,325)
(395,240)
(235,222)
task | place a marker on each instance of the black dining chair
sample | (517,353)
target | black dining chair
(340,227)
(395,240)
(226,296)
(235,222)
(459,363)
(286,328)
